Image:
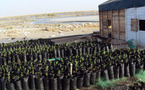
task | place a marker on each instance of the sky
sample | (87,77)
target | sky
(27,7)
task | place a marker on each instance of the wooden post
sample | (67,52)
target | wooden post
(71,65)
(119,24)
(100,20)
(112,25)
(107,25)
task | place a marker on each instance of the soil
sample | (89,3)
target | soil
(23,27)
(120,85)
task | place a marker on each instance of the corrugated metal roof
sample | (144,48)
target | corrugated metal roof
(111,5)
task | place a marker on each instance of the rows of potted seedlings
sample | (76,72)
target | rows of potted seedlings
(29,50)
(41,74)
(44,75)
(25,61)
(25,64)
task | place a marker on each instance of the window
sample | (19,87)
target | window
(142,25)
(109,23)
(134,25)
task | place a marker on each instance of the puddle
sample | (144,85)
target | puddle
(50,20)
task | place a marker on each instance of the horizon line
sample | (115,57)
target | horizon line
(46,13)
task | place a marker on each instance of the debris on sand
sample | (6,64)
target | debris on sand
(53,35)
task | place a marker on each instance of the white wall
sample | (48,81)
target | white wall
(132,13)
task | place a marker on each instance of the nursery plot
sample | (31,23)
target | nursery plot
(17,60)
(43,65)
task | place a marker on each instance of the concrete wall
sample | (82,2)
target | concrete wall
(134,13)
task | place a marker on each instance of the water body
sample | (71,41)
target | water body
(68,20)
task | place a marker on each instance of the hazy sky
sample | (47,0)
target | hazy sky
(26,7)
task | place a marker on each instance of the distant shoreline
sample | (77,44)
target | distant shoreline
(71,12)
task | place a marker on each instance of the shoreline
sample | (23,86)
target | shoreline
(39,14)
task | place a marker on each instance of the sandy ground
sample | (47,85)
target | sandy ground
(34,31)
(35,34)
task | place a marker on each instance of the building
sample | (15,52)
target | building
(124,19)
